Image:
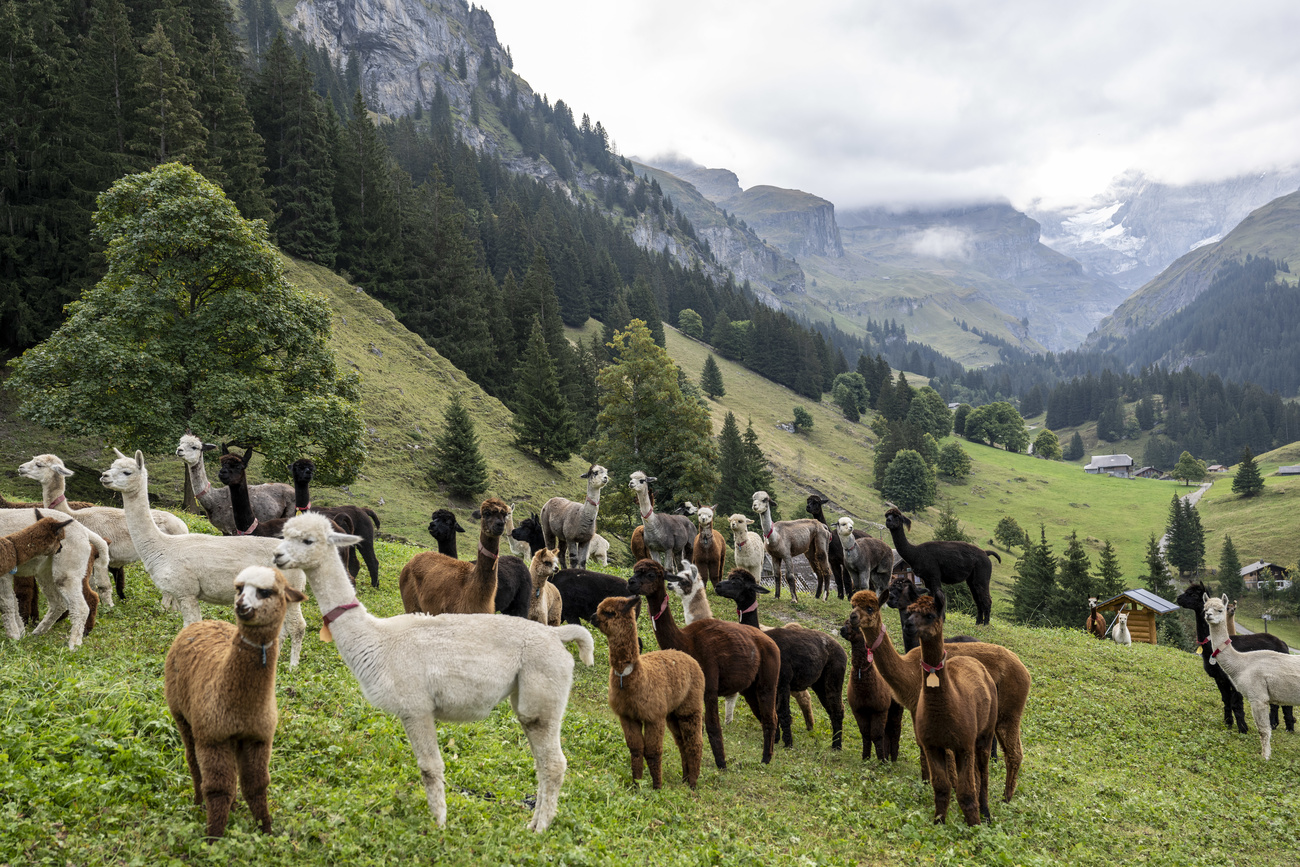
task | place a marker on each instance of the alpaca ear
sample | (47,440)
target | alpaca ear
(1205,597)
(1225,600)
(629,603)
(118,452)
(294,595)
(652,478)
(759,588)
(208,447)
(139,459)
(459,528)
(342,540)
(585,475)
(64,471)
(476,515)
(248,456)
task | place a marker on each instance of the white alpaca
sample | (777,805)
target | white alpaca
(748,545)
(599,549)
(107,522)
(864,557)
(452,667)
(270,501)
(59,576)
(1119,632)
(196,567)
(1263,677)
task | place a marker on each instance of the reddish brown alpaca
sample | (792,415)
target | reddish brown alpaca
(1096,622)
(41,538)
(735,659)
(880,718)
(903,674)
(437,584)
(956,712)
(665,687)
(709,551)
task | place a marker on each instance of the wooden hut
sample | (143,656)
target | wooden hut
(1142,607)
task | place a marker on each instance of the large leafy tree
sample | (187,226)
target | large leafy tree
(1189,469)
(953,461)
(1047,446)
(909,481)
(194,326)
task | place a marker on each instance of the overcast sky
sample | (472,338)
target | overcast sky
(912,101)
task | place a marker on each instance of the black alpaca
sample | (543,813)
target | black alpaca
(810,659)
(514,584)
(582,590)
(364,520)
(443,527)
(939,563)
(530,531)
(1192,599)
(835,553)
(902,593)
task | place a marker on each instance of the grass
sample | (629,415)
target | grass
(1126,761)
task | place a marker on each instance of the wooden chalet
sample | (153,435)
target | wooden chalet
(1142,607)
(1113,465)
(1258,572)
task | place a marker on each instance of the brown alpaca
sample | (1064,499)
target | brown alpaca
(710,549)
(956,712)
(1232,618)
(437,584)
(41,538)
(734,658)
(544,603)
(1096,623)
(880,718)
(903,674)
(665,687)
(219,680)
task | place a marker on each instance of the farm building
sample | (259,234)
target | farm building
(1115,465)
(1259,572)
(1289,471)
(1142,607)
(1216,468)
(1146,473)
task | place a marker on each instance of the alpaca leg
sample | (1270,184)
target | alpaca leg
(893,729)
(983,746)
(979,589)
(878,733)
(1008,734)
(422,732)
(1289,716)
(550,765)
(634,737)
(1259,710)
(9,608)
(967,787)
(832,701)
(787,567)
(1272,716)
(731,706)
(783,712)
(372,562)
(762,703)
(866,722)
(189,608)
(805,707)
(938,781)
(688,731)
(78,611)
(580,554)
(191,757)
(255,778)
(217,765)
(776,575)
(714,728)
(296,625)
(654,751)
(119,582)
(58,605)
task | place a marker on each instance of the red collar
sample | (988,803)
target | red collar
(1226,642)
(753,607)
(741,543)
(662,609)
(61,498)
(339,610)
(647,515)
(853,541)
(204,492)
(771,530)
(1204,641)
(871,656)
(247,532)
(595,503)
(302,508)
(486,552)
(931,669)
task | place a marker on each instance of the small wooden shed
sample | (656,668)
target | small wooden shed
(1142,606)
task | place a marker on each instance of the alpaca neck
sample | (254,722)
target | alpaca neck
(706,536)
(900,542)
(52,493)
(199,479)
(587,517)
(1203,634)
(858,655)
(666,631)
(242,507)
(251,664)
(485,566)
(1220,640)
(1232,624)
(539,581)
(765,521)
(330,584)
(904,680)
(696,606)
(301,495)
(624,656)
(139,522)
(646,509)
(747,614)
(447,546)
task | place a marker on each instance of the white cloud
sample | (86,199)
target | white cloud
(940,242)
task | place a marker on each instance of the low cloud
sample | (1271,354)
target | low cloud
(940,242)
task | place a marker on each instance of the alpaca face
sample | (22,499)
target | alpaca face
(1191,597)
(647,578)
(443,526)
(546,563)
(1215,610)
(308,541)
(191,449)
(493,514)
(924,618)
(597,477)
(739,586)
(762,502)
(739,525)
(705,517)
(125,474)
(814,506)
(256,594)
(615,614)
(232,470)
(867,605)
(639,482)
(852,627)
(686,582)
(844,526)
(896,520)
(901,593)
(43,467)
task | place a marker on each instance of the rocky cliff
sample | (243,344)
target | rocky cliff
(799,223)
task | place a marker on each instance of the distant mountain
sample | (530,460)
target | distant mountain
(1137,227)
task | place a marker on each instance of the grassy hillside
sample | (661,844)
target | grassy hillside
(1126,761)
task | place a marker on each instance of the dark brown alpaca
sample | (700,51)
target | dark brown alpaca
(939,563)
(880,718)
(956,712)
(709,550)
(437,584)
(41,538)
(903,674)
(1096,623)
(734,658)
(665,687)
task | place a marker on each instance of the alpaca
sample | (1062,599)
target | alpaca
(195,567)
(1119,632)
(866,561)
(1232,624)
(902,593)
(1233,710)
(956,712)
(939,563)
(434,583)
(879,717)
(453,667)
(903,674)
(749,545)
(710,550)
(582,591)
(443,527)
(1096,623)
(787,539)
(105,521)
(734,658)
(41,539)
(545,605)
(219,680)
(514,584)
(1263,677)
(810,659)
(364,520)
(270,501)
(517,548)
(877,552)
(667,537)
(530,538)
(60,575)
(651,691)
(566,523)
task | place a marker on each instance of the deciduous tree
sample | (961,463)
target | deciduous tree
(909,482)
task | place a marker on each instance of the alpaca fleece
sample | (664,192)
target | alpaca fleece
(879,717)
(709,552)
(846,581)
(270,501)
(59,575)
(566,523)
(40,539)
(582,591)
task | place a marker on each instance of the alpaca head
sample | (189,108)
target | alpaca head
(43,538)
(492,513)
(233,469)
(617,614)
(309,540)
(741,587)
(902,592)
(191,449)
(639,482)
(739,525)
(303,470)
(926,617)
(126,475)
(530,531)
(867,604)
(814,506)
(1215,609)
(443,526)
(1192,597)
(596,476)
(686,582)
(546,563)
(762,502)
(896,520)
(43,469)
(844,527)
(852,627)
(647,577)
(705,517)
(261,596)
(686,508)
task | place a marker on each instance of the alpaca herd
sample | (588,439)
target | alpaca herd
(494,627)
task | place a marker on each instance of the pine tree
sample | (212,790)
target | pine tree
(1179,550)
(234,156)
(1158,579)
(1075,450)
(1074,585)
(1195,534)
(543,424)
(730,495)
(758,475)
(1109,581)
(364,202)
(170,127)
(711,379)
(457,462)
(1034,582)
(1230,580)
(1248,482)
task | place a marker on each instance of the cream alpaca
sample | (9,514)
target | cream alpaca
(59,575)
